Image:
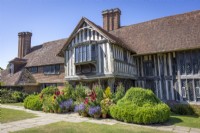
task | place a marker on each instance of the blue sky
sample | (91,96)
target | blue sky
(55,19)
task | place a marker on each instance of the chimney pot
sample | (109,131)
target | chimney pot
(111,19)
(24,43)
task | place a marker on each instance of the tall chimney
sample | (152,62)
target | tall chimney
(24,43)
(111,19)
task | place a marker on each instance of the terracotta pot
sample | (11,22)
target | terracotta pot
(104,116)
(97,116)
(84,114)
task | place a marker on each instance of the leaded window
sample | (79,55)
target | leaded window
(85,33)
(125,56)
(80,54)
(148,68)
(190,90)
(33,69)
(183,88)
(84,53)
(88,53)
(188,64)
(197,88)
(51,69)
(93,52)
(182,63)
(76,54)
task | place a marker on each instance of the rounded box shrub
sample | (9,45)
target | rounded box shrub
(33,102)
(140,106)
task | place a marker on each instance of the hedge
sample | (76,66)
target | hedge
(33,102)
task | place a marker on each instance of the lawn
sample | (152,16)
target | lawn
(182,120)
(84,127)
(9,115)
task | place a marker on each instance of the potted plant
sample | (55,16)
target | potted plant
(105,104)
(95,111)
(81,109)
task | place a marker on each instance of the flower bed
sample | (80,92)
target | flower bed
(137,106)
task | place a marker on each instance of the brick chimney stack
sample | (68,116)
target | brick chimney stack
(24,43)
(111,19)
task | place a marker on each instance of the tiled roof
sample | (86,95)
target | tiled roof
(45,54)
(172,33)
(9,79)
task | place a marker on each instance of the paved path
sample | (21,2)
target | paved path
(47,118)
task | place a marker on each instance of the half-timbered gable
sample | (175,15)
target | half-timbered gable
(90,54)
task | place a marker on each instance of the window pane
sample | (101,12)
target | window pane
(84,53)
(182,63)
(88,52)
(183,87)
(76,54)
(197,88)
(93,52)
(80,54)
(52,69)
(188,64)
(57,69)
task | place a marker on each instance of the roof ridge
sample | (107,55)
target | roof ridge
(157,19)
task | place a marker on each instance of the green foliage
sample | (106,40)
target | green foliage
(105,104)
(120,93)
(1,83)
(49,90)
(140,96)
(146,109)
(68,91)
(79,92)
(47,104)
(10,96)
(19,96)
(99,93)
(33,102)
(183,109)
(108,93)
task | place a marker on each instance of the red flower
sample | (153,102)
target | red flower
(54,97)
(86,101)
(57,93)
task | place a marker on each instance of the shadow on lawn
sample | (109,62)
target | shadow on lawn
(174,119)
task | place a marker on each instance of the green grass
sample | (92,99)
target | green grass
(15,104)
(84,127)
(9,115)
(182,120)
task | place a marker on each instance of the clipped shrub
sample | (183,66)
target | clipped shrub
(144,109)
(33,102)
(140,96)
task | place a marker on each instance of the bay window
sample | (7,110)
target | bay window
(85,53)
